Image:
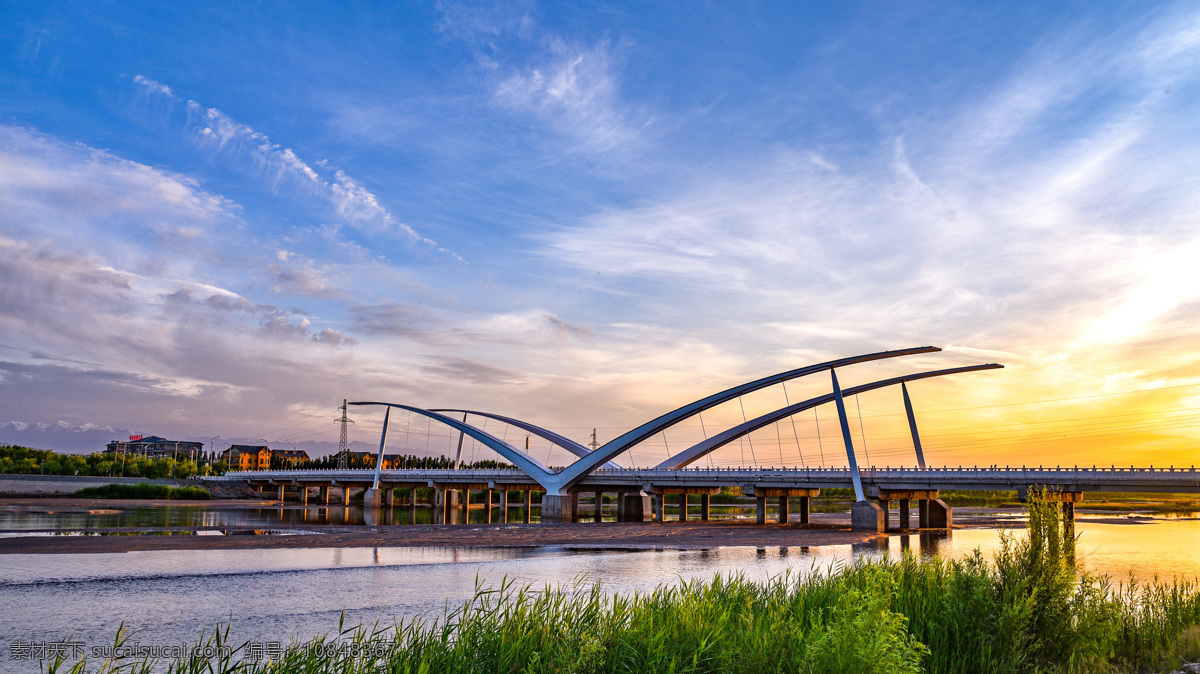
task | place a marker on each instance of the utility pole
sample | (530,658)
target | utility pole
(343,445)
(210,451)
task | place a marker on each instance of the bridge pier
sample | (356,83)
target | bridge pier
(466,505)
(760,503)
(761,493)
(528,514)
(635,506)
(302,493)
(868,516)
(373,499)
(503,506)
(660,510)
(940,515)
(488,504)
(323,494)
(412,505)
(560,508)
(705,503)
(931,513)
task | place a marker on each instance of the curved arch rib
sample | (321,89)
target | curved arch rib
(610,450)
(698,451)
(531,466)
(559,440)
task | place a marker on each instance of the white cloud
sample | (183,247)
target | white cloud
(151,85)
(219,134)
(574,86)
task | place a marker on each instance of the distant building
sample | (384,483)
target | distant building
(290,457)
(247,457)
(390,461)
(156,447)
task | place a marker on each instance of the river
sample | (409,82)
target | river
(169,597)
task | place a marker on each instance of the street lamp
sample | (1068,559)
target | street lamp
(210,452)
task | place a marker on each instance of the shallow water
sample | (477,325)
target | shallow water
(170,597)
(25,518)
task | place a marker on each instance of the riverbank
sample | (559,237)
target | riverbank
(639,535)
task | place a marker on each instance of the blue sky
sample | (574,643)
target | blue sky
(223,220)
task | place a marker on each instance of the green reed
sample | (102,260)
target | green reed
(1027,610)
(145,491)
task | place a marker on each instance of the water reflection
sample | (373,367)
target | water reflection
(25,518)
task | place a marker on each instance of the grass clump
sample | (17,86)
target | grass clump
(145,491)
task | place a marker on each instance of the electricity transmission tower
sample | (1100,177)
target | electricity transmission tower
(343,446)
(593,444)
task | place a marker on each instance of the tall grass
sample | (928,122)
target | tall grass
(144,491)
(1027,610)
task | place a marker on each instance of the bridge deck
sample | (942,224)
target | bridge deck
(1111,479)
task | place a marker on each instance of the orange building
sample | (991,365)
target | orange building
(290,457)
(248,457)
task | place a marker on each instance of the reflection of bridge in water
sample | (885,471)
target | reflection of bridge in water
(643,493)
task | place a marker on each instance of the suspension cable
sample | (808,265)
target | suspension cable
(748,438)
(862,434)
(795,433)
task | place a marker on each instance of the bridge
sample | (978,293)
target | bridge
(790,486)
(642,493)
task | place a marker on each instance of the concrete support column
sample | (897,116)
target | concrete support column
(1068,516)
(372,499)
(282,487)
(904,520)
(598,516)
(323,494)
(923,513)
(940,515)
(445,512)
(683,507)
(412,505)
(636,507)
(528,506)
(503,506)
(302,493)
(559,507)
(660,510)
(867,516)
(488,505)
(760,503)
(805,509)
(887,512)
(783,510)
(466,501)
(705,504)
(621,506)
